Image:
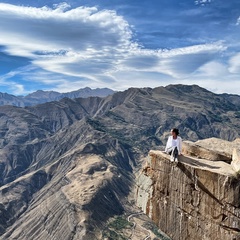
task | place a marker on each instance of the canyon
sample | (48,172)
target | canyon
(69,168)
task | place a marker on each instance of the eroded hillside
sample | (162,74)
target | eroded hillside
(69,166)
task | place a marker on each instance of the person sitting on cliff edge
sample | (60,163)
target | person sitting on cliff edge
(174,145)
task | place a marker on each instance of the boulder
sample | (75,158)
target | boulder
(196,150)
(236,160)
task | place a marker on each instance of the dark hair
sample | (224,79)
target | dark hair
(176,131)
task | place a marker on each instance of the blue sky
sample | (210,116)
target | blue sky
(65,46)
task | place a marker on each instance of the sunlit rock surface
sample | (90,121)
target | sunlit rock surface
(196,198)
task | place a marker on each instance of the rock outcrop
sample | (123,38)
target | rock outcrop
(199,198)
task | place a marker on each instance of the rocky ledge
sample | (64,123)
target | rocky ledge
(198,198)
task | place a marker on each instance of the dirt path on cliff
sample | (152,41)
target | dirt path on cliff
(137,227)
(143,228)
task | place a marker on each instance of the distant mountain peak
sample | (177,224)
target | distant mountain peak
(42,96)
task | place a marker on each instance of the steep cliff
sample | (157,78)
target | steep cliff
(199,198)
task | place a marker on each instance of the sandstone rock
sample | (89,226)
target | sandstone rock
(144,191)
(204,152)
(236,160)
(197,199)
(237,141)
(219,145)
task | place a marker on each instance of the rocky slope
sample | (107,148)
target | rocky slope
(68,167)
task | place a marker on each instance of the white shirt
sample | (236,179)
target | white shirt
(174,142)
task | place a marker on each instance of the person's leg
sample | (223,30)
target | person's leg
(169,150)
(172,154)
(175,154)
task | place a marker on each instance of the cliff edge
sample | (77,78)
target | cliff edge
(199,198)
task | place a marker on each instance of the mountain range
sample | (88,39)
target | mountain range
(41,96)
(68,167)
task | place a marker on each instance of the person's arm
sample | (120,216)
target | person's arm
(168,143)
(180,145)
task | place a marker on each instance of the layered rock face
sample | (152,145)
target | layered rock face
(199,198)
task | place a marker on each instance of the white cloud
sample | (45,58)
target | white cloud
(238,21)
(234,64)
(215,77)
(202,2)
(16,88)
(52,30)
(213,69)
(88,47)
(177,63)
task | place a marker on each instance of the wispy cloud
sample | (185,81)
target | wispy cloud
(72,48)
(234,64)
(238,21)
(202,2)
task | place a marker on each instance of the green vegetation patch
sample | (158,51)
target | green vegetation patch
(156,231)
(115,229)
(120,223)
(112,235)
